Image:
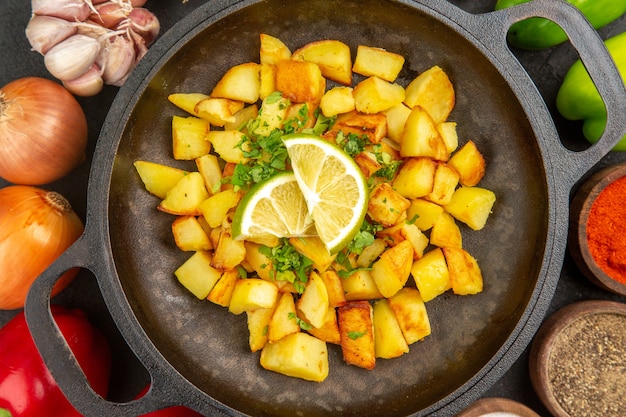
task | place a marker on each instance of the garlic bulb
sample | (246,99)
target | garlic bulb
(89,43)
(72,57)
(43,32)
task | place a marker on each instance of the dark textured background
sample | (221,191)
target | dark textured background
(16,60)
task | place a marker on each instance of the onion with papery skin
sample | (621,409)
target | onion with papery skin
(36,227)
(43,131)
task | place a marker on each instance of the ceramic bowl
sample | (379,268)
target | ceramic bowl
(578,237)
(577,360)
(501,407)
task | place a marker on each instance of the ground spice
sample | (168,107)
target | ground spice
(587,366)
(606,230)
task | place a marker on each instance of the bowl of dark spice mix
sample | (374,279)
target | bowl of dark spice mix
(597,233)
(497,407)
(578,360)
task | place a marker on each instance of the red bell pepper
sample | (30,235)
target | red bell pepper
(26,386)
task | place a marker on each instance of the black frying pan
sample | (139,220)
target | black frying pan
(197,353)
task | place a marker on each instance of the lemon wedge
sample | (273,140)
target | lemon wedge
(333,186)
(274,207)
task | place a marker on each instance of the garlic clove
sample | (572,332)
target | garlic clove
(43,32)
(72,57)
(92,29)
(88,84)
(117,59)
(111,13)
(144,23)
(70,10)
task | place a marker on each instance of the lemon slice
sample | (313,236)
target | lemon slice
(274,207)
(333,186)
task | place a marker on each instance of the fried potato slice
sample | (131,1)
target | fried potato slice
(357,334)
(332,56)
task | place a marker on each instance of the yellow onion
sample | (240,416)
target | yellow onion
(43,131)
(36,227)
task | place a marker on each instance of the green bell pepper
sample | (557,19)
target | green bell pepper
(539,33)
(578,98)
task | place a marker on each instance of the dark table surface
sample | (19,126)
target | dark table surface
(546,68)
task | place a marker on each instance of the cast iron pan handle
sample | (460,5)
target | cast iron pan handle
(59,358)
(569,166)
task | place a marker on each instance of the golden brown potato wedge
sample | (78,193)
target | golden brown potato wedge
(374,126)
(190,137)
(197,275)
(377,62)
(445,232)
(209,167)
(272,50)
(386,206)
(216,207)
(448,133)
(189,235)
(336,295)
(186,196)
(223,289)
(187,101)
(299,355)
(416,177)
(375,95)
(389,342)
(396,119)
(433,91)
(465,275)
(469,163)
(420,137)
(229,253)
(357,334)
(251,294)
(300,81)
(218,111)
(314,302)
(283,321)
(445,181)
(313,248)
(423,213)
(337,100)
(332,56)
(258,327)
(158,178)
(410,311)
(360,285)
(229,145)
(329,331)
(391,271)
(240,83)
(431,275)
(471,205)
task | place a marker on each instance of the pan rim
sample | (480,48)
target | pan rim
(160,53)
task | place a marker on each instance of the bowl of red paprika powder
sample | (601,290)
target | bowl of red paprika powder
(597,235)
